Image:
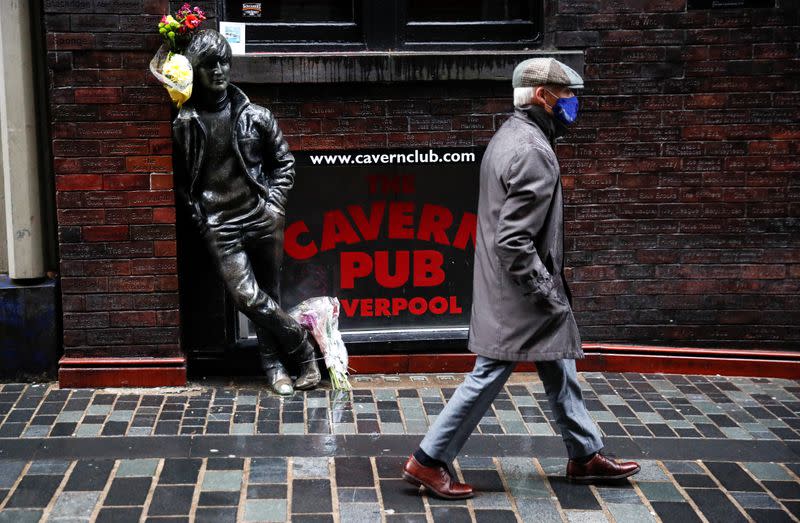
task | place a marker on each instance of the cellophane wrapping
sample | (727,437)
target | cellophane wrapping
(320,316)
(174,71)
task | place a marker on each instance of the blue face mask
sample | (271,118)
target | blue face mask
(565,110)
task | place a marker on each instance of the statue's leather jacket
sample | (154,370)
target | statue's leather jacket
(258,144)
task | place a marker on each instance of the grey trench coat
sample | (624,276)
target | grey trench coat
(521,303)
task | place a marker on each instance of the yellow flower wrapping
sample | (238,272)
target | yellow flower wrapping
(178,71)
(174,71)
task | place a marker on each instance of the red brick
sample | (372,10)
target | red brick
(133,319)
(155,6)
(89,320)
(164,215)
(125,77)
(148,163)
(167,283)
(73,302)
(129,216)
(73,338)
(125,182)
(705,101)
(98,95)
(109,337)
(109,302)
(107,267)
(144,94)
(784,163)
(153,232)
(168,318)
(160,146)
(79,182)
(131,284)
(321,142)
(364,141)
(126,147)
(103,233)
(156,335)
(135,112)
(99,130)
(409,139)
(164,300)
(138,60)
(97,60)
(124,41)
(160,181)
(76,147)
(81,216)
(150,198)
(151,266)
(70,41)
(769,148)
(148,130)
(162,248)
(774,51)
(74,285)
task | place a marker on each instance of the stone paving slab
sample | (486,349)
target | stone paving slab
(711,449)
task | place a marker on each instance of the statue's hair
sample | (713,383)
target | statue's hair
(206,43)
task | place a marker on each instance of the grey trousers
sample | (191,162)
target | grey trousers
(472,399)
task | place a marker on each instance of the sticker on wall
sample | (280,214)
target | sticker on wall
(251,10)
(234,33)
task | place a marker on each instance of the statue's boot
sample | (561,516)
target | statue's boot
(304,355)
(277,377)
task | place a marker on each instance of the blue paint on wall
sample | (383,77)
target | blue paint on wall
(29,327)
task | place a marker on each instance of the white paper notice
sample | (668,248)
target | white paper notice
(234,33)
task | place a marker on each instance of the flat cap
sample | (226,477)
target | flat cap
(540,71)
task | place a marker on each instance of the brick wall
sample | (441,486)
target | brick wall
(681,179)
(112,160)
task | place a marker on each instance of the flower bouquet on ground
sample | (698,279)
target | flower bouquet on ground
(320,316)
(169,65)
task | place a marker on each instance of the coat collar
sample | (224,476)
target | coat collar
(540,118)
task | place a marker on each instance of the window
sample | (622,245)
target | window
(357,25)
(297,24)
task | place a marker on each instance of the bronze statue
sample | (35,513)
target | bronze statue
(236,173)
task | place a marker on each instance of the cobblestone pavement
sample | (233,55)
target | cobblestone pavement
(712,449)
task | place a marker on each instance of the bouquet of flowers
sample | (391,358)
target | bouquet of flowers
(321,316)
(169,65)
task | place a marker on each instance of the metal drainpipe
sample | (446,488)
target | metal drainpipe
(18,145)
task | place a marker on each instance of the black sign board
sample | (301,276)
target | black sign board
(391,233)
(729,4)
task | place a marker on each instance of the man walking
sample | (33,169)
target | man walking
(521,303)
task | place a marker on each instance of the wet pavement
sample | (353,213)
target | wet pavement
(712,449)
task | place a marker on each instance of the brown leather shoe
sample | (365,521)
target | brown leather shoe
(436,479)
(600,468)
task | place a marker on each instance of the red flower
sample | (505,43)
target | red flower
(192,21)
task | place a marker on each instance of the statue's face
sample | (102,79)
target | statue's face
(213,74)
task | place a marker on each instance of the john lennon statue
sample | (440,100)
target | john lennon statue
(236,173)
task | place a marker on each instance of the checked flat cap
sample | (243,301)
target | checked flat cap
(540,71)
